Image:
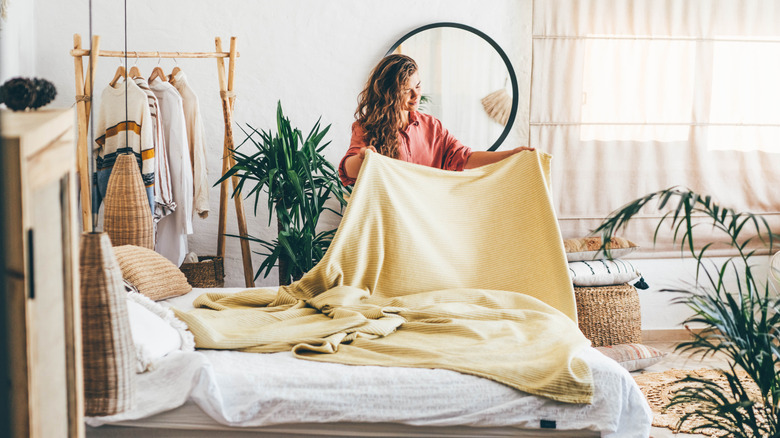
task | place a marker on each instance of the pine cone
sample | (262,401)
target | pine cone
(44,92)
(18,93)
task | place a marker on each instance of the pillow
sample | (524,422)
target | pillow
(633,356)
(150,273)
(156,331)
(587,248)
(602,272)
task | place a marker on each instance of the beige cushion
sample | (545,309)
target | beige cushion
(150,273)
(587,248)
(633,356)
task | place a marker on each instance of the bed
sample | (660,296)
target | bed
(393,274)
(202,392)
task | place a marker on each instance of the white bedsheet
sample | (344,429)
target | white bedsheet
(249,389)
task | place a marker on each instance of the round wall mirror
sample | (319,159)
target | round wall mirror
(467,82)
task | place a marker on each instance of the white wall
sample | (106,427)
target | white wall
(17,40)
(313,55)
(658,312)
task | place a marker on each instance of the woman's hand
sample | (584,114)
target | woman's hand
(355,162)
(362,153)
(522,148)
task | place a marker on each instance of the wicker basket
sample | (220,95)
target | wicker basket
(208,272)
(609,315)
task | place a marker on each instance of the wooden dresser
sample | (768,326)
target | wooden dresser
(40,340)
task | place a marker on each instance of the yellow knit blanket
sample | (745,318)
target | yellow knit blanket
(429,268)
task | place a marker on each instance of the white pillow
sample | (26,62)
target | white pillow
(602,272)
(156,331)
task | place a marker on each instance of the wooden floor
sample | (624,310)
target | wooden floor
(677,361)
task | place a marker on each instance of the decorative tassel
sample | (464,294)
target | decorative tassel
(498,105)
(641,284)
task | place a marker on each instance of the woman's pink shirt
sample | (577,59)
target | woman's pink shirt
(424,141)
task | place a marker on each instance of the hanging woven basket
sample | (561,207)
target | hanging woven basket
(128,217)
(498,105)
(107,343)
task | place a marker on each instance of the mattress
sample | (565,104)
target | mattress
(278,394)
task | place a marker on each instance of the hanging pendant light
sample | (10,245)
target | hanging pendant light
(498,105)
(128,219)
(108,351)
(107,344)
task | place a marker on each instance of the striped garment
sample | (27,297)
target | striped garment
(163,198)
(123,126)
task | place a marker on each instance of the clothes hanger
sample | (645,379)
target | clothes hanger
(134,72)
(158,72)
(120,73)
(176,69)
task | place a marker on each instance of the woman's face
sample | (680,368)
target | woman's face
(411,92)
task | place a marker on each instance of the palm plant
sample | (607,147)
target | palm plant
(742,323)
(298,181)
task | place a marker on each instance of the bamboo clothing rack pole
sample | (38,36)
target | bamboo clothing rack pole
(120,54)
(84,93)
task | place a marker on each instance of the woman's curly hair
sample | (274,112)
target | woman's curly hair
(380,104)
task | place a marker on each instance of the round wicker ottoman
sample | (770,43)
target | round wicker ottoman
(609,315)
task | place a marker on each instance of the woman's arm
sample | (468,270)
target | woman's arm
(350,164)
(481,158)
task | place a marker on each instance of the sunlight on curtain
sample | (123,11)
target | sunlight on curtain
(644,88)
(745,91)
(633,97)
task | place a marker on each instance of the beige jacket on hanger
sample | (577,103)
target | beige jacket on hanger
(197,144)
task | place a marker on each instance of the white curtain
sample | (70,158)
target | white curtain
(631,97)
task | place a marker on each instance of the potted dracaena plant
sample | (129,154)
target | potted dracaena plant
(739,313)
(298,181)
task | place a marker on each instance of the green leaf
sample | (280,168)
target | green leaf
(739,322)
(297,180)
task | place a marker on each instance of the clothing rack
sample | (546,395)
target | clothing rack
(84,93)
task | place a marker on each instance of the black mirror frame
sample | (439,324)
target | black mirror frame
(512,77)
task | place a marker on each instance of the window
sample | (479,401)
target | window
(744,110)
(637,89)
(637,96)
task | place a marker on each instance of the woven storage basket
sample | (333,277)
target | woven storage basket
(208,272)
(107,344)
(128,216)
(609,315)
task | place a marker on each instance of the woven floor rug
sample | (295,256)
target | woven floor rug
(659,388)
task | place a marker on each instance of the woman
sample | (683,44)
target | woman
(387,122)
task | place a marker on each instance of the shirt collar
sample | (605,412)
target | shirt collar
(414,118)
